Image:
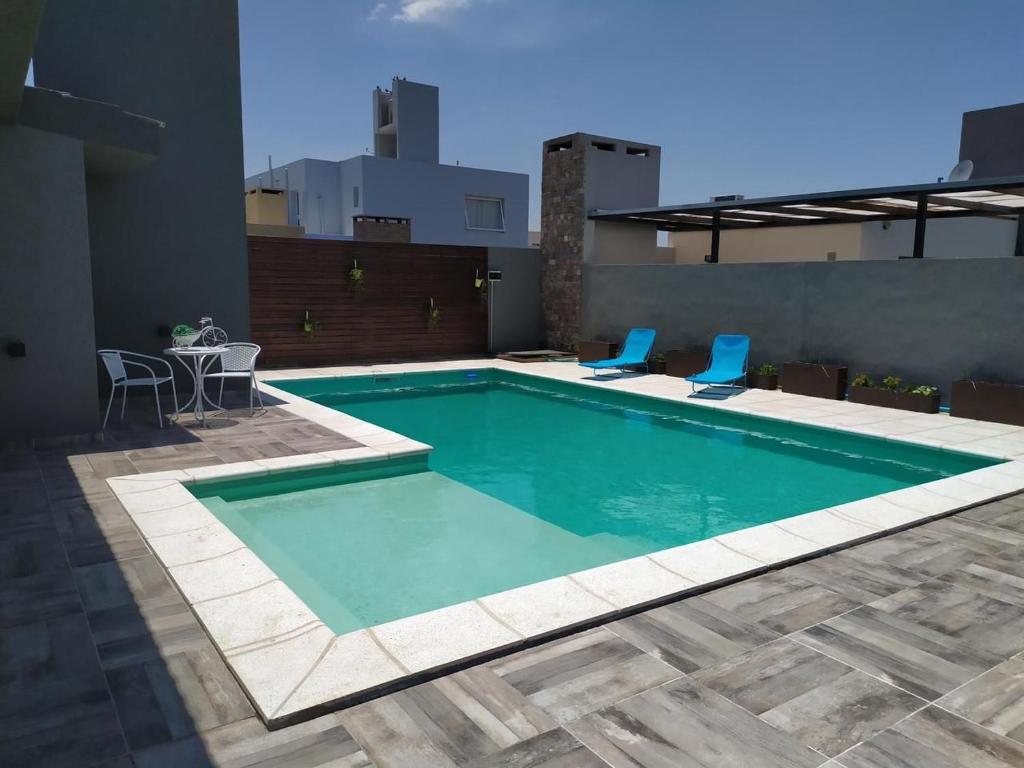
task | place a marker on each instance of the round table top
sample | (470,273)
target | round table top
(193,351)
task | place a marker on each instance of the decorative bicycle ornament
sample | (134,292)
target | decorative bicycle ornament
(211,335)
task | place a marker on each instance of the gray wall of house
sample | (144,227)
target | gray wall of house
(46,288)
(930,321)
(516,320)
(168,243)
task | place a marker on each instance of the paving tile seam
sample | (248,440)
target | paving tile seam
(309,672)
(226,594)
(384,649)
(207,560)
(888,728)
(889,683)
(266,642)
(259,646)
(590,592)
(498,619)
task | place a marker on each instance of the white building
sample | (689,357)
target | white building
(445,204)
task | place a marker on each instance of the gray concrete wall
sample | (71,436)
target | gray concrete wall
(993,139)
(928,321)
(516,319)
(168,242)
(417,121)
(45,289)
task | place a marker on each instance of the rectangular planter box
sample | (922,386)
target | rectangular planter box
(815,380)
(596,350)
(656,366)
(886,398)
(679,363)
(988,401)
(762,381)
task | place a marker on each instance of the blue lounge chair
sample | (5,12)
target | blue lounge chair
(728,362)
(635,351)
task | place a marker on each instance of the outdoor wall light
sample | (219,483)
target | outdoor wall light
(16,349)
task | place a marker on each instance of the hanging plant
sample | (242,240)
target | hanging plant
(356,276)
(433,315)
(309,326)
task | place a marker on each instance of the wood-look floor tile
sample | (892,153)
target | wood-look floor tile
(823,703)
(986,623)
(1007,513)
(685,724)
(781,601)
(692,634)
(994,700)
(319,743)
(933,738)
(983,538)
(30,553)
(854,578)
(55,709)
(554,749)
(578,674)
(169,698)
(915,552)
(998,576)
(29,599)
(911,656)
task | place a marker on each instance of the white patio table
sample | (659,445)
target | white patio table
(193,359)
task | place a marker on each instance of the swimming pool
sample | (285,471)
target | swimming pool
(531,479)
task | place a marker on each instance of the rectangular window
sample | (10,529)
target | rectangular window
(487,213)
(355,197)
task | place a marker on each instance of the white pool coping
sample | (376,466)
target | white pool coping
(293,667)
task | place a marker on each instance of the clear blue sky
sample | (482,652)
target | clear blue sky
(747,97)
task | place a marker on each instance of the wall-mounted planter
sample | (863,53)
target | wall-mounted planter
(888,398)
(815,380)
(988,401)
(596,350)
(679,363)
(763,380)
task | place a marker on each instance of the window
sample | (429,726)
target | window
(486,213)
(355,197)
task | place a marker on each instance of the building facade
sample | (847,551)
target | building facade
(445,204)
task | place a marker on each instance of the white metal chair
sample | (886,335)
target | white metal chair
(237,361)
(117,361)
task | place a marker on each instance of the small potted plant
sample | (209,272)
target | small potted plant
(893,394)
(765,376)
(988,400)
(815,379)
(656,364)
(184,335)
(310,326)
(433,316)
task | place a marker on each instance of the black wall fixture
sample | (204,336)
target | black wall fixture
(16,349)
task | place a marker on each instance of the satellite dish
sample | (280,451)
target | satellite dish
(961,171)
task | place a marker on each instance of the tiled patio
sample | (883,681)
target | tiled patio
(906,651)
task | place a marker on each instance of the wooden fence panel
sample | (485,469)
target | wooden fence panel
(384,319)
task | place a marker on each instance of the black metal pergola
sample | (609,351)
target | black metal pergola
(1001,198)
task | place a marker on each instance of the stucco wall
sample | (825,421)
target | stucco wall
(168,242)
(517,322)
(955,238)
(46,288)
(928,321)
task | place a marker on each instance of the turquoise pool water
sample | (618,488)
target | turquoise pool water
(531,479)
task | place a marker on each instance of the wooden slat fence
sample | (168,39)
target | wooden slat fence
(386,319)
